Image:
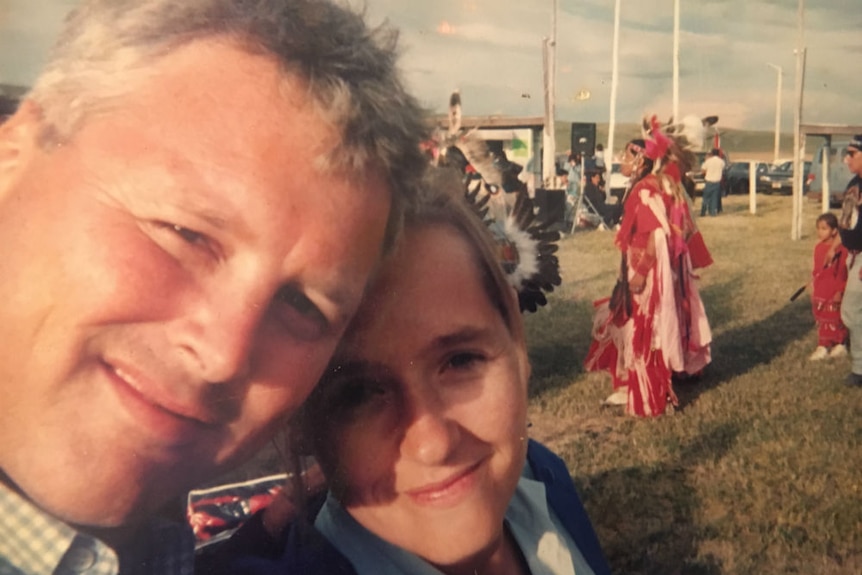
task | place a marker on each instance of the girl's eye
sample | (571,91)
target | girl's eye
(355,394)
(464,360)
(348,398)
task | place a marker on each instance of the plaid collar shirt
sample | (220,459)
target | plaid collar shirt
(34,543)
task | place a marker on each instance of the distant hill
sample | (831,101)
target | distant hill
(748,144)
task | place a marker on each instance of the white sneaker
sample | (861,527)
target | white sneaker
(619,397)
(819,353)
(839,350)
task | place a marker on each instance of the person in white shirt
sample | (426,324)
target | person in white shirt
(713,168)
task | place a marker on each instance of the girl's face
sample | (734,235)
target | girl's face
(430,401)
(825,231)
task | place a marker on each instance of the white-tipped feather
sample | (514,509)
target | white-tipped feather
(694,131)
(475,149)
(528,255)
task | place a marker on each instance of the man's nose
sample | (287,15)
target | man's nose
(220,327)
(431,435)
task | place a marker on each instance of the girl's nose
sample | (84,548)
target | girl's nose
(430,436)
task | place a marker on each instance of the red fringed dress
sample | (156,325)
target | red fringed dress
(829,277)
(642,351)
(687,253)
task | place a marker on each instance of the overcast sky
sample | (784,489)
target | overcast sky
(491,51)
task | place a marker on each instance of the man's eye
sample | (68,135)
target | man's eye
(186,234)
(297,301)
(175,238)
(299,315)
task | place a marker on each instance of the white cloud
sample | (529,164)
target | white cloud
(493,54)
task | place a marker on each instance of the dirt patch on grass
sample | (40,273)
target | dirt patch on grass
(555,431)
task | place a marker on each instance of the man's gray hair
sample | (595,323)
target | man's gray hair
(350,70)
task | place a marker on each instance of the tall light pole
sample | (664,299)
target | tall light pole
(615,57)
(549,163)
(777,112)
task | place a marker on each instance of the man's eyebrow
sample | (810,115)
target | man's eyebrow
(191,207)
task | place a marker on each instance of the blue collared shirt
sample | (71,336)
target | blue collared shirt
(545,543)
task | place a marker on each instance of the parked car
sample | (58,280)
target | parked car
(736,176)
(839,173)
(779,179)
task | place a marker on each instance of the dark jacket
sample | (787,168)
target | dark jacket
(304,551)
(852,237)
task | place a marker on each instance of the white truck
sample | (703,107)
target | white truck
(839,174)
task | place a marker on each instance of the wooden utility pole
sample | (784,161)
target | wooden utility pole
(798,137)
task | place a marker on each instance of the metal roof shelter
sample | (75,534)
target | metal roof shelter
(499,122)
(550,202)
(535,124)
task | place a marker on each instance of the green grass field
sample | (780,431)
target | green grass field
(760,469)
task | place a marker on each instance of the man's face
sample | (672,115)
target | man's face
(853,159)
(174,279)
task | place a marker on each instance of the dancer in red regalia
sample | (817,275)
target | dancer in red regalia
(654,324)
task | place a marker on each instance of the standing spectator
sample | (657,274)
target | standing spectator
(713,168)
(599,158)
(828,279)
(573,189)
(850,229)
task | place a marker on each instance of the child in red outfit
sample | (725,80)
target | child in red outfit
(828,279)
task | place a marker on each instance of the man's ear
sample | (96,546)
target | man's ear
(19,142)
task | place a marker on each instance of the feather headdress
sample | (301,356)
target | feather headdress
(671,146)
(657,143)
(527,247)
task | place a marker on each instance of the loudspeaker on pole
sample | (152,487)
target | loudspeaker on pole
(584,139)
